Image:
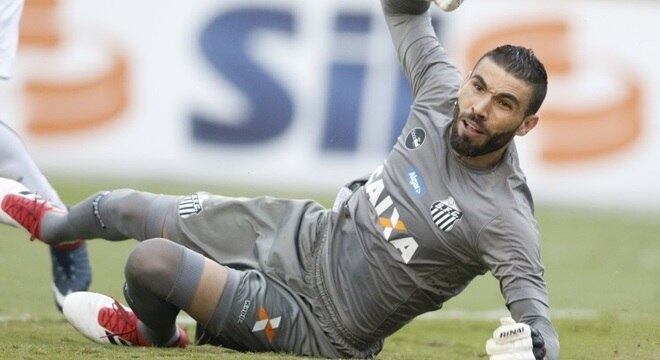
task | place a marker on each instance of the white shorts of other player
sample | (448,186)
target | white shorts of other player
(10,16)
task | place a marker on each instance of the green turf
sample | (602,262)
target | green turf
(601,266)
(605,338)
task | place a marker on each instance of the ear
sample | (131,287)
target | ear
(528,124)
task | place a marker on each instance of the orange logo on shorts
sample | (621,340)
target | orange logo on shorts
(266,324)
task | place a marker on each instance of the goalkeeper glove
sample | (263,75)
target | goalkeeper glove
(515,341)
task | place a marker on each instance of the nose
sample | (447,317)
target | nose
(481,106)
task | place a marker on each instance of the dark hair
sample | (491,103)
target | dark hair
(524,65)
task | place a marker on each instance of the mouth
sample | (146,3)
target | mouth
(471,127)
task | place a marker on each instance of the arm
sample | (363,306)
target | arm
(536,315)
(434,80)
(511,250)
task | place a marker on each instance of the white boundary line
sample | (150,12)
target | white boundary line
(24,317)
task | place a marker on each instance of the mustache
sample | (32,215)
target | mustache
(475,120)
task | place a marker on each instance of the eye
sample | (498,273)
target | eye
(504,104)
(478,87)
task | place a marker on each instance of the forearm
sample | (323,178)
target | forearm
(536,314)
(408,22)
(434,80)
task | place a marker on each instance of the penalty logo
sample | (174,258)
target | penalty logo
(191,205)
(446,213)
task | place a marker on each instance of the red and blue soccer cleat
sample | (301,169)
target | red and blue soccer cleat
(71,270)
(70,264)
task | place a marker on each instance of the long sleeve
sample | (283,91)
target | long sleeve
(511,250)
(434,79)
(536,314)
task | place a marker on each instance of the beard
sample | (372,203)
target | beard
(462,144)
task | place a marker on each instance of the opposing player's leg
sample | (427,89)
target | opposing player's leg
(16,164)
(70,263)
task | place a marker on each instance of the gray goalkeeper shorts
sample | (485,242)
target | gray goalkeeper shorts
(270,245)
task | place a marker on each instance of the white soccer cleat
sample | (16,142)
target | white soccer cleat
(8,186)
(448,5)
(104,320)
(87,312)
(22,208)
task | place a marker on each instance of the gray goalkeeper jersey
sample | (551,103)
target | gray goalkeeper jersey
(424,224)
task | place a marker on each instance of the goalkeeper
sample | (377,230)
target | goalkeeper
(449,203)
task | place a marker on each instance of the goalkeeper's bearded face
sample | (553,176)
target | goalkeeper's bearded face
(492,108)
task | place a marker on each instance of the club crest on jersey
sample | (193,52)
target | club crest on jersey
(446,213)
(191,205)
(394,230)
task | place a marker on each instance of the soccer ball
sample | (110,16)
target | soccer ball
(448,5)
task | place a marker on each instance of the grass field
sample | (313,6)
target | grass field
(603,271)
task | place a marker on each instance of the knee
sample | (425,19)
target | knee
(11,145)
(151,260)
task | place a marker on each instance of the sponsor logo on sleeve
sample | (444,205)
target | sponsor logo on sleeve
(445,214)
(416,181)
(415,138)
